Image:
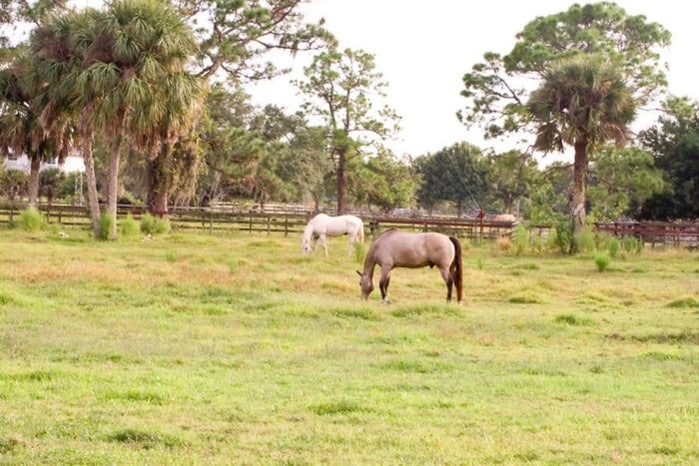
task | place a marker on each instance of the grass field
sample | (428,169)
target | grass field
(196,349)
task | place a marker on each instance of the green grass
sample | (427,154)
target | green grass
(197,349)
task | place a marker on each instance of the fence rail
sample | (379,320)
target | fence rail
(292,222)
(677,234)
(216,220)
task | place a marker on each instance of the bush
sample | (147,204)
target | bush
(602,262)
(31,220)
(504,244)
(128,227)
(613,246)
(563,238)
(152,225)
(106,221)
(50,181)
(13,183)
(630,244)
(126,198)
(585,240)
(520,237)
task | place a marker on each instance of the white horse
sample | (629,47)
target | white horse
(321,226)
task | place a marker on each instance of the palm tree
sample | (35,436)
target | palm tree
(59,47)
(122,73)
(146,98)
(21,128)
(584,102)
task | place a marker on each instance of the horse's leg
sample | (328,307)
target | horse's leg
(323,240)
(448,279)
(383,283)
(351,244)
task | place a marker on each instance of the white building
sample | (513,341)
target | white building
(73,163)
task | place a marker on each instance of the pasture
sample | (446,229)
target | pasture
(199,349)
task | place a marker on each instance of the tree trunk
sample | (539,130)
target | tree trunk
(34,168)
(341,182)
(113,187)
(158,205)
(160,181)
(92,200)
(579,185)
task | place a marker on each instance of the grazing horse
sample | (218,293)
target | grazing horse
(321,226)
(505,218)
(396,248)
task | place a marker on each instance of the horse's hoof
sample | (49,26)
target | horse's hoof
(387,301)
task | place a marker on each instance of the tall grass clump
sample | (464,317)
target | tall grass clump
(153,225)
(128,227)
(31,220)
(632,245)
(106,221)
(520,238)
(602,261)
(504,244)
(585,240)
(563,235)
(613,246)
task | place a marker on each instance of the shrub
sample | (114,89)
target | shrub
(106,221)
(585,240)
(152,225)
(13,183)
(520,237)
(563,238)
(50,181)
(504,244)
(602,261)
(613,246)
(128,227)
(630,244)
(31,220)
(126,198)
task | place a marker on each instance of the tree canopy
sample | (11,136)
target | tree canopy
(454,174)
(594,65)
(341,88)
(674,145)
(498,88)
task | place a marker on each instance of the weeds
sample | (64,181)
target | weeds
(31,221)
(602,261)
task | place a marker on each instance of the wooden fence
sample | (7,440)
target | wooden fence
(276,221)
(216,220)
(676,234)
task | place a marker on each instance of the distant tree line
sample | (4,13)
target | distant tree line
(156,104)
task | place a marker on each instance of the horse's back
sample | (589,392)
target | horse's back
(403,249)
(504,218)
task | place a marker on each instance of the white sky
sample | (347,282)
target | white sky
(424,48)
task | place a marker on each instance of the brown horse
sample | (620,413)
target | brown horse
(396,248)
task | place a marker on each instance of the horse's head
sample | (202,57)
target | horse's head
(305,245)
(366,284)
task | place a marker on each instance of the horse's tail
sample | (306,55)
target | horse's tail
(360,233)
(457,269)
